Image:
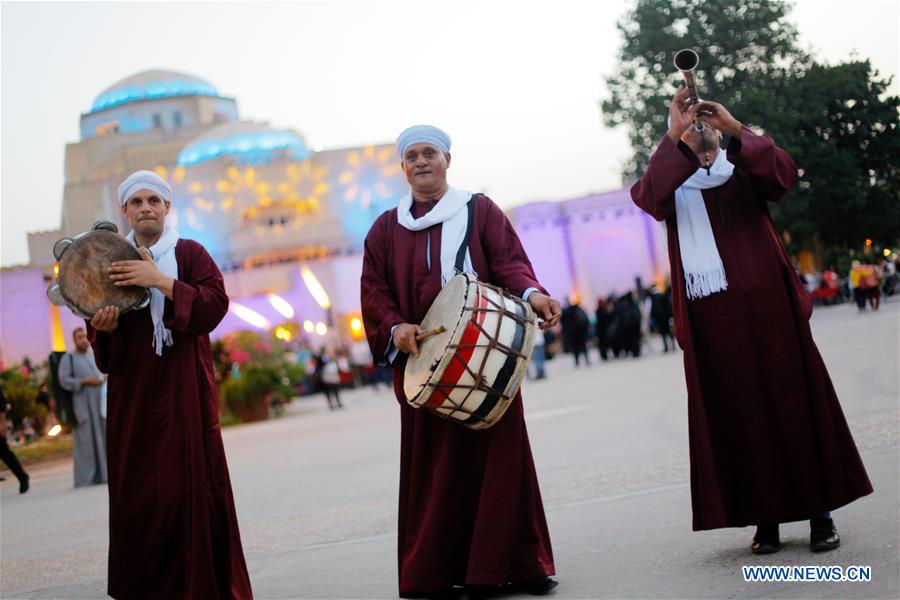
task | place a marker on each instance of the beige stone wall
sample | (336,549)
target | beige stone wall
(40,249)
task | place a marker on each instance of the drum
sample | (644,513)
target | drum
(470,372)
(83,283)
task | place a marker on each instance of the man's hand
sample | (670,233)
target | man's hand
(545,307)
(91,381)
(106,319)
(143,273)
(718,116)
(680,115)
(405,338)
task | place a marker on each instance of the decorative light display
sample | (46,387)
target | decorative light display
(306,186)
(315,288)
(281,305)
(175,176)
(371,184)
(241,187)
(249,315)
(356,328)
(283,333)
(365,177)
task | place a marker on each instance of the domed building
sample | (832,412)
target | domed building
(143,120)
(156,100)
(272,213)
(284,223)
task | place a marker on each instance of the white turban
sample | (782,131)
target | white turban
(144,180)
(422,134)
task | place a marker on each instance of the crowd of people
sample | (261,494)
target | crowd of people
(625,325)
(620,326)
(864,283)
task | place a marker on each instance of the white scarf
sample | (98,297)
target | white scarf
(163,252)
(704,273)
(451,211)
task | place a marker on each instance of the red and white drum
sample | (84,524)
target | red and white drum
(471,372)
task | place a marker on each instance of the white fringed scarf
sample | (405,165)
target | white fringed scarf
(704,273)
(163,252)
(451,211)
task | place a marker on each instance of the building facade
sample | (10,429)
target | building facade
(285,224)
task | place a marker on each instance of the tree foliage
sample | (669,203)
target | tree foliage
(841,129)
(837,122)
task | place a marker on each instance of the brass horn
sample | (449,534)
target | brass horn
(686,61)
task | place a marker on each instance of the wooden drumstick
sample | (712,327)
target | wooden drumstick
(431,332)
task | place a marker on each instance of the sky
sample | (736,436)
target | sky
(516,84)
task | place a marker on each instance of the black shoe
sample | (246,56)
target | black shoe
(766,540)
(24,485)
(822,535)
(537,587)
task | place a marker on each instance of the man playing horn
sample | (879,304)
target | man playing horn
(768,441)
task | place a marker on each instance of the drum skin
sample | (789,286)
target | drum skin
(472,372)
(83,278)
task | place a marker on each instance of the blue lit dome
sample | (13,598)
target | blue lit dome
(150,85)
(248,143)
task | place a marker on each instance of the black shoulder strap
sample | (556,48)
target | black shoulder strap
(461,253)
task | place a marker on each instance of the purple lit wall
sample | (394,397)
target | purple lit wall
(591,246)
(339,277)
(24,316)
(69,323)
(538,227)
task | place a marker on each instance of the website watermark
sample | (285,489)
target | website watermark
(809,573)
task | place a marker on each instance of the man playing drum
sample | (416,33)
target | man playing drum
(470,508)
(173,531)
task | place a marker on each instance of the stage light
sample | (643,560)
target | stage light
(356,328)
(249,315)
(282,306)
(308,326)
(283,333)
(321,328)
(315,288)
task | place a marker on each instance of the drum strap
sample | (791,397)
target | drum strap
(461,253)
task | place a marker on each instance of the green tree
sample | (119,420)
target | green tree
(841,129)
(837,122)
(748,55)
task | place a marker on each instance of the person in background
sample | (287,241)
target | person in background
(79,374)
(575,326)
(6,455)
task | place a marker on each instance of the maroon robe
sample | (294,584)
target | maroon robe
(470,506)
(173,531)
(768,441)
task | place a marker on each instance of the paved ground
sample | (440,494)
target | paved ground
(316,490)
